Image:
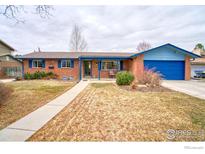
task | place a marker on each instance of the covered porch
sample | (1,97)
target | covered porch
(101,67)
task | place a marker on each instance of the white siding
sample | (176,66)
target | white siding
(4,50)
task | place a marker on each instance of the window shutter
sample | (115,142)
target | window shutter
(43,63)
(30,63)
(121,65)
(59,63)
(72,63)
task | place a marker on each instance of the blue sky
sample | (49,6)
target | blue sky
(107,28)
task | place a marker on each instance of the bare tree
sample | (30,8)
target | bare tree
(13,11)
(44,10)
(77,41)
(142,46)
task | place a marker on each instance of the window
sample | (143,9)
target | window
(7,58)
(37,63)
(65,63)
(109,65)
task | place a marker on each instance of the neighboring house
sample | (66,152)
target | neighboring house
(171,61)
(9,65)
(197,65)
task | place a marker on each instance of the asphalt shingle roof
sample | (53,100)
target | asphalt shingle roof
(58,55)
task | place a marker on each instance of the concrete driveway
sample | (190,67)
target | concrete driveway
(194,88)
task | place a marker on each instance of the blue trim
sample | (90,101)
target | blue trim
(168,45)
(91,67)
(72,63)
(121,65)
(59,63)
(99,69)
(43,63)
(80,69)
(30,61)
(103,58)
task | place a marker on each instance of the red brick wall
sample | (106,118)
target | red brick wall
(137,66)
(126,65)
(187,68)
(95,69)
(59,71)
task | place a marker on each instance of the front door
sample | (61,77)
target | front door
(87,68)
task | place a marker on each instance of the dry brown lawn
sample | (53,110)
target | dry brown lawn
(27,96)
(105,112)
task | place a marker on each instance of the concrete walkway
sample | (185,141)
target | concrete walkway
(192,87)
(6,80)
(102,81)
(22,129)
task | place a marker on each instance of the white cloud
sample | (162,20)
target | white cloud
(107,27)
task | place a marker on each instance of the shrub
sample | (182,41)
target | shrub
(43,74)
(50,74)
(124,78)
(5,92)
(39,75)
(150,78)
(27,76)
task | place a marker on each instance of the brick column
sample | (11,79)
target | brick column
(187,68)
(138,66)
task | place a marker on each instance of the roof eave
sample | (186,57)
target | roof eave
(8,46)
(192,55)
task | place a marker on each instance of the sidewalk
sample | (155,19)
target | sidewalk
(6,80)
(22,129)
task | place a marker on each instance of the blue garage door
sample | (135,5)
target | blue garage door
(171,70)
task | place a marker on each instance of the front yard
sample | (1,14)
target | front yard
(105,112)
(27,96)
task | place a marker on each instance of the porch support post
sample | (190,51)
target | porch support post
(99,68)
(80,69)
(118,65)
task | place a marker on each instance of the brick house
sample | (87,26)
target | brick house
(171,61)
(9,65)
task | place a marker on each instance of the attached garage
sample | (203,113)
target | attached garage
(170,70)
(172,62)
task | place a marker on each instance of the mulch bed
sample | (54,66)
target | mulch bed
(146,89)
